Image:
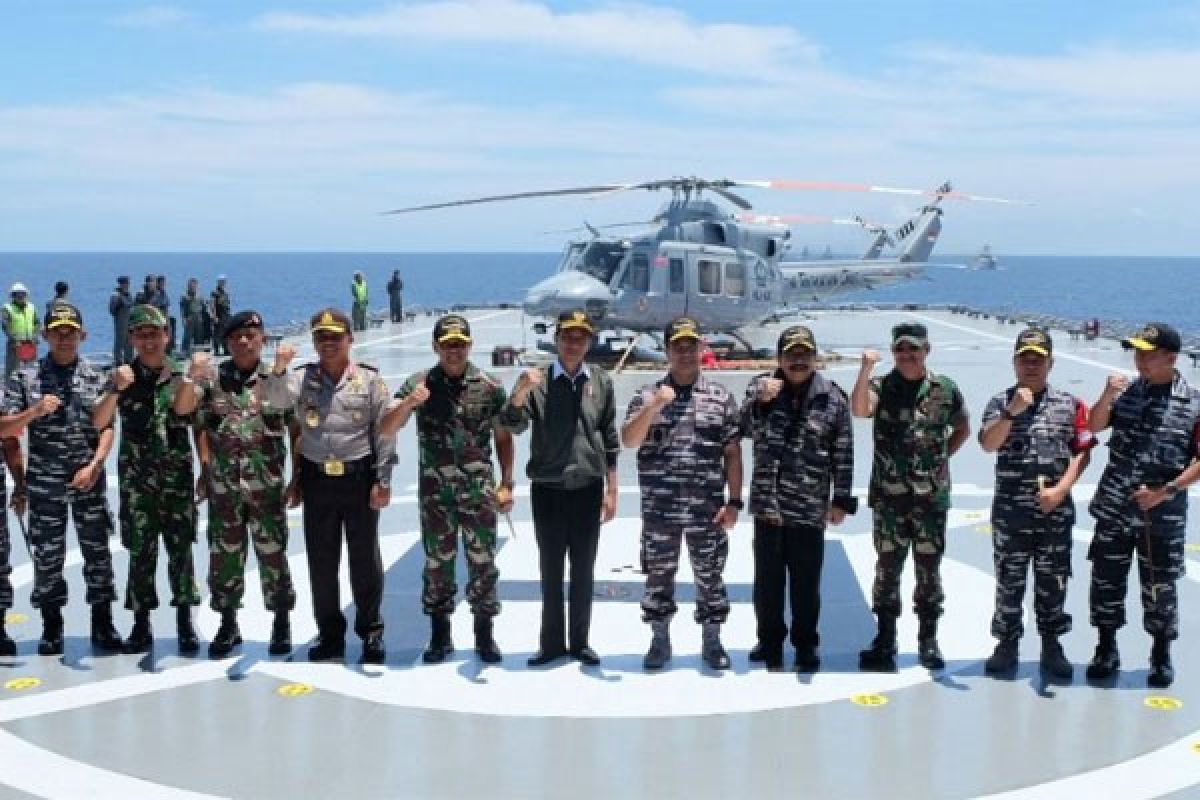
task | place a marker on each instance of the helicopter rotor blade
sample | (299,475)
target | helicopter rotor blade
(498,198)
(943,191)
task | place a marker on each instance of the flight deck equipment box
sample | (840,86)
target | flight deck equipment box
(504,356)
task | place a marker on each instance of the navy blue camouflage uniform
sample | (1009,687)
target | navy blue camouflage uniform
(1041,442)
(682,478)
(803,449)
(1155,436)
(60,444)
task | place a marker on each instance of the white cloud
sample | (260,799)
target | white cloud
(153,17)
(638,33)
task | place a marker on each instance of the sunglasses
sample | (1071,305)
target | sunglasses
(905,348)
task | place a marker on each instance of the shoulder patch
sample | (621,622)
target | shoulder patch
(367,366)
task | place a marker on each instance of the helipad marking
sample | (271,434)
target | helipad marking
(15,618)
(294,690)
(1163,703)
(869,700)
(22,684)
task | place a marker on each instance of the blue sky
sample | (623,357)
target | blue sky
(289,125)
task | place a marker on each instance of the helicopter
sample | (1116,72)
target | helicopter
(724,270)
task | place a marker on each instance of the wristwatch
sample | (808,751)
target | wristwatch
(1171,489)
(735,502)
(1006,414)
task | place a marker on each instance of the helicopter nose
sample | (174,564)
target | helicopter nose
(555,295)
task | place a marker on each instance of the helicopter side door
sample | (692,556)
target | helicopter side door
(677,285)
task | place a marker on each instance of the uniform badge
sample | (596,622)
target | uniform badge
(312,418)
(357,416)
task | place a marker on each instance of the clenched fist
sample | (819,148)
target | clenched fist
(869,359)
(769,389)
(531,378)
(1021,400)
(664,396)
(201,367)
(48,405)
(284,354)
(1116,384)
(122,377)
(418,396)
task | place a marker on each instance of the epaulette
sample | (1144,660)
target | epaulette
(840,390)
(367,366)
(305,365)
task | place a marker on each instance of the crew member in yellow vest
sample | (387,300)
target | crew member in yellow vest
(21,326)
(358,290)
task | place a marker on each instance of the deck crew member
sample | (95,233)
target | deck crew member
(242,443)
(799,422)
(458,408)
(920,421)
(687,431)
(1043,443)
(119,306)
(1140,504)
(395,289)
(220,306)
(21,326)
(344,463)
(55,399)
(358,294)
(573,474)
(154,471)
(20,500)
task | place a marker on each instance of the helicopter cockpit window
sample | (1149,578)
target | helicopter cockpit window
(637,276)
(735,279)
(601,260)
(708,277)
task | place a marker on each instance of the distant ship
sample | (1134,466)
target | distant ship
(985,259)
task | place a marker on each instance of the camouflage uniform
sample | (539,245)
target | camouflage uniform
(154,467)
(1154,438)
(1041,443)
(6,590)
(60,444)
(247,435)
(803,448)
(680,471)
(457,486)
(910,487)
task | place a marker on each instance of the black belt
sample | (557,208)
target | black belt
(334,468)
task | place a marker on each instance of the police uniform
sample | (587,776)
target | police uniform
(60,444)
(682,479)
(1039,447)
(156,480)
(803,448)
(909,495)
(343,454)
(457,487)
(247,432)
(1155,437)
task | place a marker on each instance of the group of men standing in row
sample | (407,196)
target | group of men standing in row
(687,432)
(204,320)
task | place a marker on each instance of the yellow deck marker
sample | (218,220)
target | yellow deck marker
(869,700)
(22,684)
(1163,703)
(984,528)
(15,618)
(1196,747)
(1192,546)
(294,690)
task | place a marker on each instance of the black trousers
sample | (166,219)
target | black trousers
(567,524)
(792,555)
(332,505)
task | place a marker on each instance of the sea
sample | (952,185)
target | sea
(288,287)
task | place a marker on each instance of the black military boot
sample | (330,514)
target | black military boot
(807,659)
(373,651)
(928,652)
(660,645)
(189,642)
(7,646)
(229,635)
(441,645)
(711,650)
(1054,661)
(1107,660)
(485,644)
(1162,674)
(141,638)
(881,655)
(51,643)
(1005,657)
(281,634)
(104,634)
(327,649)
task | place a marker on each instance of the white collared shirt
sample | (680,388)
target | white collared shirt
(558,369)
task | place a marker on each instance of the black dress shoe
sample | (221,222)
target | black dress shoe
(807,660)
(543,657)
(586,656)
(327,650)
(373,651)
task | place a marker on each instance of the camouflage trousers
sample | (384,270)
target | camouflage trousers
(708,547)
(48,506)
(1160,566)
(895,533)
(148,511)
(236,518)
(6,590)
(1018,539)
(441,522)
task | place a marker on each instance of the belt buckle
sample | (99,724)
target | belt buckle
(334,468)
